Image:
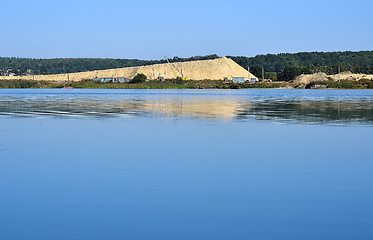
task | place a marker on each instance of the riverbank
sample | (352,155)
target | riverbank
(343,84)
(179,84)
(167,84)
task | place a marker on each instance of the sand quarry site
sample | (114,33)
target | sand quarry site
(216,69)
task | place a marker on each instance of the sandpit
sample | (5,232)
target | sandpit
(308,78)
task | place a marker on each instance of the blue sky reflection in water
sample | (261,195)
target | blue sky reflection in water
(137,164)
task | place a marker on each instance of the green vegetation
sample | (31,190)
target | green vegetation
(139,78)
(167,84)
(179,80)
(356,62)
(183,84)
(344,84)
(287,65)
(289,73)
(23,84)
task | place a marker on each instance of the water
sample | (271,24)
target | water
(186,164)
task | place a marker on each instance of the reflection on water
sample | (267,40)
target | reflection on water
(310,111)
(333,107)
(223,176)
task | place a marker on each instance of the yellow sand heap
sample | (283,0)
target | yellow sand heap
(216,69)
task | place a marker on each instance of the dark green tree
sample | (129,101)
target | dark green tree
(139,78)
(289,73)
(257,71)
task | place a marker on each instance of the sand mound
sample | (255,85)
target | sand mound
(307,78)
(216,69)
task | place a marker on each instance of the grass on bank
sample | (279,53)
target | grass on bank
(343,84)
(167,84)
(181,84)
(24,84)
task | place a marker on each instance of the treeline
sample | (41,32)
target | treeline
(21,66)
(284,66)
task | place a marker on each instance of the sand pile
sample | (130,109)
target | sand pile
(351,76)
(216,69)
(307,78)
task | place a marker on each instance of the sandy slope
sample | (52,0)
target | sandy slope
(216,69)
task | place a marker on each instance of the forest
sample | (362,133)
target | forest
(285,66)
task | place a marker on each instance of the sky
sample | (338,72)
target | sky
(145,29)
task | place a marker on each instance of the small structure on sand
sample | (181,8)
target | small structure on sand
(112,80)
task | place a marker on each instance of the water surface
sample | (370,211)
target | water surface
(330,106)
(186,164)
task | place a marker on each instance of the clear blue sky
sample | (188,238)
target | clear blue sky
(147,29)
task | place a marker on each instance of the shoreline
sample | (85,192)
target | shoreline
(178,84)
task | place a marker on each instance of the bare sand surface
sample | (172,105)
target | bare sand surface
(216,69)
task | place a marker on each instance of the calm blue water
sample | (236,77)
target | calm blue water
(186,164)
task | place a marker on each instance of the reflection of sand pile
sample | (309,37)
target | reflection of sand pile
(311,109)
(307,78)
(216,69)
(224,110)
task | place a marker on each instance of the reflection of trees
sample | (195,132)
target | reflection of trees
(309,111)
(71,107)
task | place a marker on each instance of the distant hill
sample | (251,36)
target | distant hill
(20,66)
